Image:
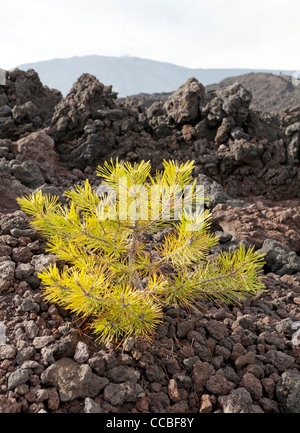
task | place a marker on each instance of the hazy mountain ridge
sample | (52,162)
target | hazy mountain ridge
(128,75)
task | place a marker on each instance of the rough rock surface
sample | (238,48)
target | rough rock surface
(25,104)
(288,392)
(10,189)
(260,221)
(73,381)
(38,148)
(272,93)
(183,105)
(85,98)
(232,359)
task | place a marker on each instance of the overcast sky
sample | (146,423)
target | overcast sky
(193,33)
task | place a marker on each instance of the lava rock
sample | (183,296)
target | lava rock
(123,373)
(73,380)
(183,105)
(239,401)
(280,259)
(18,377)
(81,353)
(117,394)
(7,273)
(29,174)
(288,392)
(38,148)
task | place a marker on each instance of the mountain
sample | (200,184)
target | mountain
(128,75)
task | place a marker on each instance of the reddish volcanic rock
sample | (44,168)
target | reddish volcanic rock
(262,220)
(10,189)
(38,147)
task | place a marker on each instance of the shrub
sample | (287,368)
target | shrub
(111,273)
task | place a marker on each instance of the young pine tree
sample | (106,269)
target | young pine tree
(111,276)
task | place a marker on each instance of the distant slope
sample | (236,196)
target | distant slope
(271,93)
(128,75)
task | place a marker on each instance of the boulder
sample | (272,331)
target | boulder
(26,86)
(9,405)
(288,392)
(224,129)
(279,258)
(226,110)
(73,380)
(25,113)
(239,401)
(247,153)
(117,394)
(28,174)
(91,407)
(25,104)
(86,97)
(289,116)
(38,148)
(183,105)
(10,189)
(86,152)
(42,262)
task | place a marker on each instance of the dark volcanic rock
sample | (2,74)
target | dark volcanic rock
(280,259)
(73,380)
(183,105)
(28,87)
(124,392)
(28,174)
(38,148)
(288,392)
(88,152)
(10,189)
(25,104)
(86,97)
(239,401)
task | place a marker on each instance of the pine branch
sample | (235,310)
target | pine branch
(110,276)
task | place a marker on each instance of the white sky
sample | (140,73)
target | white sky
(193,33)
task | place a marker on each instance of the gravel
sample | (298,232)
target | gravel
(230,359)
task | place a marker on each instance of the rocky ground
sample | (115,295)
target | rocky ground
(221,359)
(271,93)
